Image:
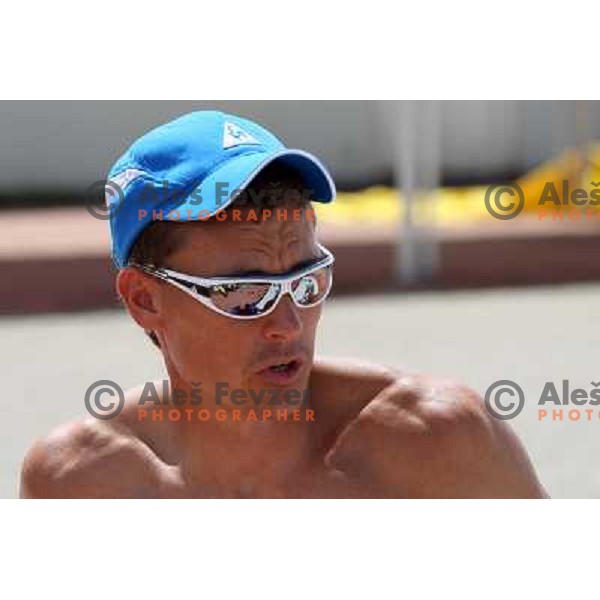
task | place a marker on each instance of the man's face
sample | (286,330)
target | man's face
(202,345)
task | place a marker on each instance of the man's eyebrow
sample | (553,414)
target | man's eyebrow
(257,273)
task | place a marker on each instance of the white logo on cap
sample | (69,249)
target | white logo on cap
(120,181)
(233,135)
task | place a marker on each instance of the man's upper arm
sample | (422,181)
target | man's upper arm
(55,466)
(428,438)
(35,472)
(83,460)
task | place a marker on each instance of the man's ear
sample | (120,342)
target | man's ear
(140,293)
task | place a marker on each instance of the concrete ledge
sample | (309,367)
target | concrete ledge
(57,259)
(56,284)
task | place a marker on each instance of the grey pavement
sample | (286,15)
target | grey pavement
(529,335)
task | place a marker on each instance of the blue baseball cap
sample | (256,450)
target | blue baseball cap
(192,168)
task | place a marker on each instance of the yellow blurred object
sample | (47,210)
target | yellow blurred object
(579,168)
(386,205)
(568,167)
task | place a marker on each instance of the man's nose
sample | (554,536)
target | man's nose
(284,323)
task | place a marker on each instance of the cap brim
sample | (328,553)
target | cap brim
(219,189)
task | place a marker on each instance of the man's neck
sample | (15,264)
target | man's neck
(236,452)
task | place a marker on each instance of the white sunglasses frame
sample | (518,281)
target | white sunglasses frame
(285,281)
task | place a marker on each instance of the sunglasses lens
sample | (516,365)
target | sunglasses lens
(245,299)
(312,288)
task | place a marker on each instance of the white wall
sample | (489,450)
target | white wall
(72,144)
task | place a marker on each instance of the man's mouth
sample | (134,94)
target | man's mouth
(282,373)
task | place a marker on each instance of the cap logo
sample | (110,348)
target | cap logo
(233,135)
(121,181)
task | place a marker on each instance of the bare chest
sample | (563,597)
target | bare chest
(317,482)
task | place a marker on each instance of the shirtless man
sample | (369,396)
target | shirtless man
(365,431)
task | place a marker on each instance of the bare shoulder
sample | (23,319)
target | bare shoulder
(354,370)
(89,458)
(344,385)
(427,437)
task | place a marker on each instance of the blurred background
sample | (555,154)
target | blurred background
(428,278)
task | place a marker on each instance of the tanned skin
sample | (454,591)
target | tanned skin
(377,432)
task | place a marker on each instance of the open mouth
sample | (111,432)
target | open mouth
(282,372)
(283,367)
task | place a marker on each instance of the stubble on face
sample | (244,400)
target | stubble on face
(203,346)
